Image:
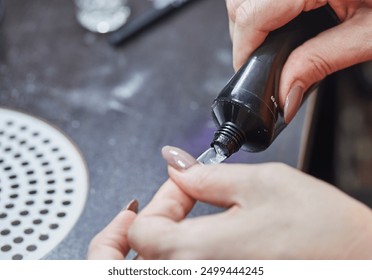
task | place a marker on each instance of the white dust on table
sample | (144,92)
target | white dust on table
(98,99)
(130,87)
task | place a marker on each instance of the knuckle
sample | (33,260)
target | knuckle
(203,179)
(320,67)
(244,14)
(310,66)
(96,241)
(173,206)
(232,6)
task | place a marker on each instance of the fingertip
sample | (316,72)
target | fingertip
(322,55)
(294,82)
(111,242)
(293,102)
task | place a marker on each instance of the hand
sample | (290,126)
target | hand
(272,212)
(347,44)
(112,243)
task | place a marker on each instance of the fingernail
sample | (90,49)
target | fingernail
(293,102)
(177,158)
(132,206)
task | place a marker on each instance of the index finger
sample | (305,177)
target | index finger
(169,206)
(170,201)
(111,243)
(157,221)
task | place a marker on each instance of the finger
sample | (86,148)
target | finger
(187,239)
(155,223)
(255,19)
(222,185)
(112,242)
(152,233)
(334,49)
(169,202)
(194,239)
(232,6)
(168,206)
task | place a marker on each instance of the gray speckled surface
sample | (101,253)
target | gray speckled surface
(120,106)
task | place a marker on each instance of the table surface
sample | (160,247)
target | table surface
(130,101)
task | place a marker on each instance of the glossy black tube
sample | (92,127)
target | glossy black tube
(247,111)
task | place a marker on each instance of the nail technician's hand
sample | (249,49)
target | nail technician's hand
(347,44)
(111,243)
(273,212)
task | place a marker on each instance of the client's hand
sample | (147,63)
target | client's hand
(272,212)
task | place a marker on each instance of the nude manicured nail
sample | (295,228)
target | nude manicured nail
(293,102)
(132,206)
(177,158)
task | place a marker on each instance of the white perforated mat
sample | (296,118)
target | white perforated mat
(43,186)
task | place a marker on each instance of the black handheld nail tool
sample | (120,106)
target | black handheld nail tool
(247,112)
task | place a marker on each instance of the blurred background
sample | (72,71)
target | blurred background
(341,149)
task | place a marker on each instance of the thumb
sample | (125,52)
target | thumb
(332,50)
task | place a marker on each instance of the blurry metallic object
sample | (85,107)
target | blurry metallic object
(102,16)
(162,10)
